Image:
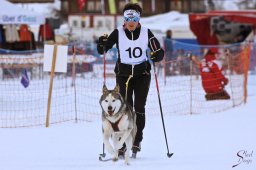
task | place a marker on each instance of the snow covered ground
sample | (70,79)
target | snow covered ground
(199,142)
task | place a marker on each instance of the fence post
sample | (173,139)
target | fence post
(191,86)
(74,78)
(51,85)
(246,58)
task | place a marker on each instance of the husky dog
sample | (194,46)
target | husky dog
(118,122)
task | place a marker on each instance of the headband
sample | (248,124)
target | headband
(130,13)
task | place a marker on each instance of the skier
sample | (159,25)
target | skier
(132,67)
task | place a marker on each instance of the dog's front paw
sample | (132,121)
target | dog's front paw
(127,161)
(114,159)
(116,154)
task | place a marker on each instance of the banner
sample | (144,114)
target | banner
(112,6)
(21,19)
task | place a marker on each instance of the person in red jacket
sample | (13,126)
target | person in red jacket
(213,81)
(46,33)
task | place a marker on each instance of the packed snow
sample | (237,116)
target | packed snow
(202,141)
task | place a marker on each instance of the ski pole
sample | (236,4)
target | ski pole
(104,82)
(159,99)
(103,154)
(161,111)
(104,60)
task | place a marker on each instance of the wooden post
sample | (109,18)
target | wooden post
(74,78)
(73,66)
(51,85)
(246,58)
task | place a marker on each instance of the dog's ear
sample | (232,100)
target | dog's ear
(104,89)
(116,89)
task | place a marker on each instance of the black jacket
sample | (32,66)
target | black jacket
(126,69)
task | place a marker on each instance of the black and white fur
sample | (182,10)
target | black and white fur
(118,122)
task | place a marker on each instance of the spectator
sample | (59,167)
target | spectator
(213,81)
(168,52)
(46,32)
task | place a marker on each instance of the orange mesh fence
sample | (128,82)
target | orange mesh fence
(76,95)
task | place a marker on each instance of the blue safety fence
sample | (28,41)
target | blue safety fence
(173,49)
(4,51)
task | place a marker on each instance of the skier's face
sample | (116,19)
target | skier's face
(131,25)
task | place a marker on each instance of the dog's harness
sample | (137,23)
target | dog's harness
(115,125)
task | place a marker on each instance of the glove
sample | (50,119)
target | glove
(102,43)
(103,40)
(154,56)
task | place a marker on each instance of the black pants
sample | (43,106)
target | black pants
(138,86)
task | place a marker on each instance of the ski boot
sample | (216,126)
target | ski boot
(135,148)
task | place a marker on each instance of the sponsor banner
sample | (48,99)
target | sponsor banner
(21,19)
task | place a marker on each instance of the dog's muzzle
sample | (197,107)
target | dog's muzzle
(111,110)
